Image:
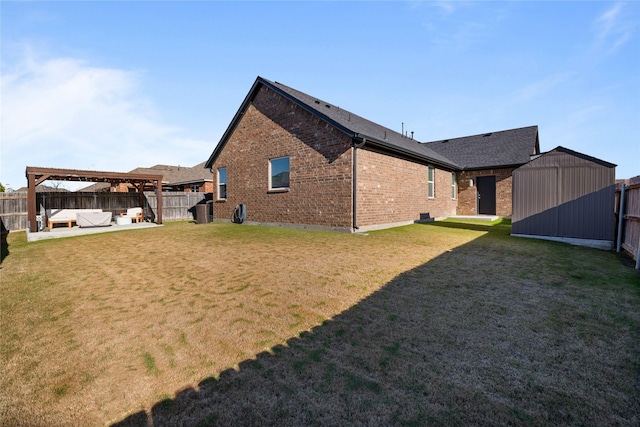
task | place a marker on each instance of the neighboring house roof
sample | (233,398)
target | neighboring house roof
(41,188)
(495,149)
(171,175)
(168,172)
(194,174)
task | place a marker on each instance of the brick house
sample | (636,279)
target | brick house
(486,163)
(295,160)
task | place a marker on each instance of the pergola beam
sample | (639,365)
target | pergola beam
(37,175)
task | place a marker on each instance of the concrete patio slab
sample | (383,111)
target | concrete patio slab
(61,232)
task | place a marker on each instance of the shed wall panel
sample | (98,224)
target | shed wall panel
(562,195)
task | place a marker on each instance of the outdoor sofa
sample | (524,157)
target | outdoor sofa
(69,216)
(135,214)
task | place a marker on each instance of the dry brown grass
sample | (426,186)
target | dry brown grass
(205,324)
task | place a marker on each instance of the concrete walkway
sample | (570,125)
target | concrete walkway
(489,218)
(60,232)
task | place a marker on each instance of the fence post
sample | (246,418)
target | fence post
(620,218)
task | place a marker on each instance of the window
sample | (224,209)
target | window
(194,188)
(431,184)
(222,183)
(279,174)
(454,192)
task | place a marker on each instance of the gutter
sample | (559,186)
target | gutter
(476,168)
(408,154)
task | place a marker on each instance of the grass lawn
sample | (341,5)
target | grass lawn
(220,324)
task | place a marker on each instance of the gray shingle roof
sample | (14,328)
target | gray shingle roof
(194,174)
(360,127)
(504,148)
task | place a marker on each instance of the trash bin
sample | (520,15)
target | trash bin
(202,213)
(210,210)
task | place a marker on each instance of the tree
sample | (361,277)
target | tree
(1,188)
(58,185)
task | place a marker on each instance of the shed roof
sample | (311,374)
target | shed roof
(570,152)
(505,148)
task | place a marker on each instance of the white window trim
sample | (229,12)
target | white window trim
(271,187)
(219,184)
(431,183)
(454,186)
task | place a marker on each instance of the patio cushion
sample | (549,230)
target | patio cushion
(94,219)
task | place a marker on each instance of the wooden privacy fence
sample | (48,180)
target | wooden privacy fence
(13,210)
(176,205)
(628,217)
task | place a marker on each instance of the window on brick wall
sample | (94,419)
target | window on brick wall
(454,189)
(279,173)
(432,190)
(222,183)
(194,188)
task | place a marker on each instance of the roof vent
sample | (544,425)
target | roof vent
(487,134)
(445,141)
(327,105)
(317,102)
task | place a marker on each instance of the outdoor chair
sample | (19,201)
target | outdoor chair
(135,214)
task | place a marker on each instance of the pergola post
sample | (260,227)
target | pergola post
(31,203)
(140,187)
(159,190)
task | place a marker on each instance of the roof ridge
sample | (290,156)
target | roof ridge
(378,136)
(481,134)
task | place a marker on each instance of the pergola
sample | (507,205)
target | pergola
(37,175)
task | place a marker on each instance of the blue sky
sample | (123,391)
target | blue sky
(117,85)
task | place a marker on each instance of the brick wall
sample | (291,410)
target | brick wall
(467,193)
(205,187)
(392,190)
(320,159)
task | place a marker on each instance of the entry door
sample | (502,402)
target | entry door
(486,186)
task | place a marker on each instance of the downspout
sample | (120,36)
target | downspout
(355,178)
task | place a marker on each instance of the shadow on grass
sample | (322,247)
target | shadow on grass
(499,226)
(4,245)
(450,342)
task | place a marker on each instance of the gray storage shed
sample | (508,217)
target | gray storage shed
(567,196)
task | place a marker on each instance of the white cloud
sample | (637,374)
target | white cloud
(66,113)
(612,29)
(541,88)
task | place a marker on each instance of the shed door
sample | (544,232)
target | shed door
(486,195)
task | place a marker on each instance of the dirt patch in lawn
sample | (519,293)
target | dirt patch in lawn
(221,324)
